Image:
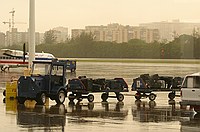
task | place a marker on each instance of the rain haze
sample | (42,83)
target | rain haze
(117,78)
(81,13)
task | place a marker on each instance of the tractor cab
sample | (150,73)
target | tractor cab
(47,79)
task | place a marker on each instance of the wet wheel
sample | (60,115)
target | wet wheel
(90,98)
(60,99)
(21,100)
(171,96)
(104,97)
(41,99)
(71,97)
(138,96)
(120,97)
(152,97)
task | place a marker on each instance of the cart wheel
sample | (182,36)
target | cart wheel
(41,99)
(120,97)
(152,97)
(60,99)
(90,98)
(71,97)
(104,97)
(138,96)
(21,100)
(171,96)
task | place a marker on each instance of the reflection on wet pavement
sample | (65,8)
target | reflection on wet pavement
(129,115)
(149,112)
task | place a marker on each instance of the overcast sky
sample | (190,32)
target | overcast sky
(81,13)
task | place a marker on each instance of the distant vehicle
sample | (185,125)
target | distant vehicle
(17,58)
(190,91)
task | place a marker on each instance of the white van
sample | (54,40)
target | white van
(190,91)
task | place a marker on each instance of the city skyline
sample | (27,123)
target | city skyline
(78,14)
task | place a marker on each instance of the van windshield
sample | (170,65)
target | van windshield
(192,82)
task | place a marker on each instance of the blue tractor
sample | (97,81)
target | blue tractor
(47,79)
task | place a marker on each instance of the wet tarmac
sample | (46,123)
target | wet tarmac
(129,115)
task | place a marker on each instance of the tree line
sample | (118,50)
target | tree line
(84,46)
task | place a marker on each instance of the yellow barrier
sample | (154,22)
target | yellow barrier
(11,105)
(11,89)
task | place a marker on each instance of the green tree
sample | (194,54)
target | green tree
(83,39)
(50,37)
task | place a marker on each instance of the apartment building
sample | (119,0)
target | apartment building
(118,33)
(76,32)
(18,38)
(2,39)
(61,34)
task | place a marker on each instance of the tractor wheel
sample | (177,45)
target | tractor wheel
(41,99)
(138,96)
(104,97)
(90,98)
(60,99)
(152,97)
(120,97)
(171,96)
(21,100)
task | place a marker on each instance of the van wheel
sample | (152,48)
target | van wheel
(152,97)
(41,99)
(60,99)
